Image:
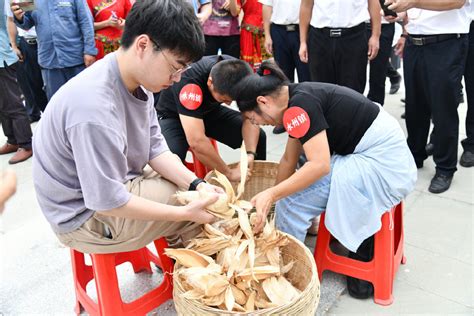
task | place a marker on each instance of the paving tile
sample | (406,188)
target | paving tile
(408,300)
(442,226)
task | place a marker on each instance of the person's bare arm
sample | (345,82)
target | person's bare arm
(433,5)
(12,34)
(376,26)
(234,8)
(7,187)
(205,12)
(306,11)
(267,14)
(289,160)
(317,166)
(250,135)
(202,146)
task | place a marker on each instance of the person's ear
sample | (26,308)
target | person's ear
(262,100)
(209,82)
(141,44)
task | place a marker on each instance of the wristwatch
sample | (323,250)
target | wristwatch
(195,183)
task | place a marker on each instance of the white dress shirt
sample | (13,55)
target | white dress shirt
(284,11)
(339,13)
(426,22)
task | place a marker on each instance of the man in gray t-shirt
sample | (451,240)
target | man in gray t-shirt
(100,131)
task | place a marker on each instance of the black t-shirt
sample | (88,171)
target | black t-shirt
(190,96)
(344,113)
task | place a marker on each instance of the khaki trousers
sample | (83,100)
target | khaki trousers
(109,234)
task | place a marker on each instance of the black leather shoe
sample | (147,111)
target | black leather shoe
(279,129)
(395,85)
(440,183)
(429,149)
(467,159)
(403,115)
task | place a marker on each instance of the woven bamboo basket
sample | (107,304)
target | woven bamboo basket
(303,276)
(263,177)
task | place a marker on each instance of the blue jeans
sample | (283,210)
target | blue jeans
(295,213)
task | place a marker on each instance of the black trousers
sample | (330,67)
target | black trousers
(379,66)
(286,45)
(468,142)
(338,60)
(433,75)
(15,122)
(222,124)
(229,45)
(30,80)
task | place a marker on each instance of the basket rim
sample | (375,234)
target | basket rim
(306,292)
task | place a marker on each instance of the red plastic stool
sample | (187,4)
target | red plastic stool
(198,167)
(380,271)
(105,275)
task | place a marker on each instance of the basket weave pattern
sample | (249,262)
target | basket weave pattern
(303,275)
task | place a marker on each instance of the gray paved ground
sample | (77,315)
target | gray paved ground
(36,276)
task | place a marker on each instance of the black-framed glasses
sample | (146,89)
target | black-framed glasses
(175,72)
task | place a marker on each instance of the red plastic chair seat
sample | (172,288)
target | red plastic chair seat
(380,271)
(105,276)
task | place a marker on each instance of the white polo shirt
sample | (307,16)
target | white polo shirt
(339,13)
(426,22)
(284,11)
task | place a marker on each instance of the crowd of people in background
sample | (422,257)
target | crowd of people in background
(108,157)
(323,41)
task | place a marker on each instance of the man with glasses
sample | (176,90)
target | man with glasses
(100,130)
(190,112)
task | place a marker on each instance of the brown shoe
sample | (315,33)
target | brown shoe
(22,154)
(8,148)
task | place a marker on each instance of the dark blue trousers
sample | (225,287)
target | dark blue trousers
(286,45)
(433,75)
(379,66)
(30,80)
(468,143)
(55,78)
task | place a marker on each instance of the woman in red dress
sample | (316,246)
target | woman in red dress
(252,48)
(109,20)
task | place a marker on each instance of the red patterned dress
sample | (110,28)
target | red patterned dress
(107,40)
(252,48)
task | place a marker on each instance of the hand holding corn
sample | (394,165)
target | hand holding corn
(262,202)
(196,211)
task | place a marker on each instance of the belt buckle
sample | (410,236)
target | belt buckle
(31,41)
(418,41)
(291,28)
(335,33)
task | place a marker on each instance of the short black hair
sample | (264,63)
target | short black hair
(172,24)
(268,80)
(226,74)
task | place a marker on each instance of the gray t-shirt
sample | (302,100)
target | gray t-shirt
(92,138)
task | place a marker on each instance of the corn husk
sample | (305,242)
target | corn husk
(229,267)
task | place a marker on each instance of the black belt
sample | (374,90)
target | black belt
(341,31)
(288,27)
(30,40)
(420,40)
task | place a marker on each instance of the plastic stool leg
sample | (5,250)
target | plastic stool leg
(106,282)
(82,274)
(384,263)
(322,246)
(140,260)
